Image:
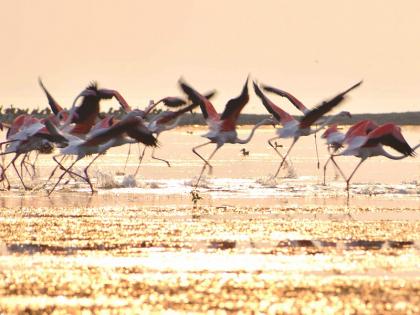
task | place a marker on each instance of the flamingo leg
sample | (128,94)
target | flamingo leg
(351,175)
(4,177)
(316,149)
(69,171)
(140,160)
(59,164)
(27,163)
(23,165)
(196,153)
(287,153)
(270,143)
(325,169)
(87,178)
(62,175)
(207,163)
(33,163)
(338,168)
(128,155)
(159,159)
(328,161)
(17,172)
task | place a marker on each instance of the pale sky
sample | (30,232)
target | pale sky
(312,49)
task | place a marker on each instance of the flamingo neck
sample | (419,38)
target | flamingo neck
(400,157)
(244,141)
(325,123)
(155,122)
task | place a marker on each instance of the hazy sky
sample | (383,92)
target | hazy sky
(312,49)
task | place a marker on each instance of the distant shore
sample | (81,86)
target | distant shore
(405,118)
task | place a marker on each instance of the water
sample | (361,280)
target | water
(289,245)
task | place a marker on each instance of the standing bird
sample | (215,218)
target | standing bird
(364,145)
(293,128)
(222,128)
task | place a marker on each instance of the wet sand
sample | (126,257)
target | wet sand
(250,244)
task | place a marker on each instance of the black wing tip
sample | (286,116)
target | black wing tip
(41,84)
(267,88)
(352,87)
(257,89)
(245,88)
(210,94)
(93,85)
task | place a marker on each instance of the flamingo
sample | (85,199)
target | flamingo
(26,134)
(59,115)
(130,129)
(365,145)
(222,128)
(335,138)
(293,128)
(168,120)
(162,122)
(85,115)
(295,102)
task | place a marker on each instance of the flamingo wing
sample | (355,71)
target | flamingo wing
(313,115)
(206,106)
(55,107)
(281,116)
(141,133)
(210,95)
(172,101)
(235,105)
(298,104)
(172,115)
(368,126)
(88,110)
(390,135)
(108,94)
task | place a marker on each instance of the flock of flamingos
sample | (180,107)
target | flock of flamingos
(81,131)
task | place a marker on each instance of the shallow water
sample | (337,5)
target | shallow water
(289,245)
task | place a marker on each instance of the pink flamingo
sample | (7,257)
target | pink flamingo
(295,102)
(168,120)
(293,128)
(130,129)
(335,138)
(222,128)
(25,134)
(365,145)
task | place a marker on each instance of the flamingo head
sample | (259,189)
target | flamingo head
(46,147)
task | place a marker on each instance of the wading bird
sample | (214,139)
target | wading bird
(295,102)
(86,114)
(222,128)
(293,128)
(26,134)
(364,145)
(164,121)
(335,138)
(167,120)
(130,129)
